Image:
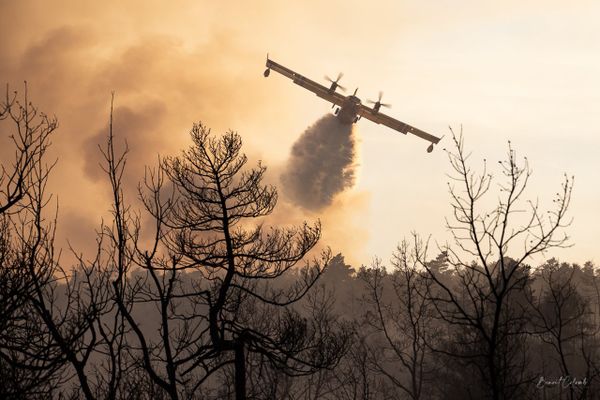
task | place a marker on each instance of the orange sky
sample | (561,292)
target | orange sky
(528,73)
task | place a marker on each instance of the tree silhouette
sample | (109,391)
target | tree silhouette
(400,311)
(562,319)
(485,310)
(28,361)
(214,279)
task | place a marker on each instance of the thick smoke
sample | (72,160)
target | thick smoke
(321,164)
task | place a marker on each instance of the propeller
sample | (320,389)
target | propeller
(378,103)
(335,83)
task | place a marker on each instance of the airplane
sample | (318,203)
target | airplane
(350,108)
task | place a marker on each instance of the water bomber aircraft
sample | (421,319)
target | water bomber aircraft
(349,109)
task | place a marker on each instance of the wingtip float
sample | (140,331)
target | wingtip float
(349,108)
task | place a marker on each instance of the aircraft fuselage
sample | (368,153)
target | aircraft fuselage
(348,112)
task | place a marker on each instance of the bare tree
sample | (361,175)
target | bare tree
(215,197)
(214,281)
(45,316)
(485,311)
(562,319)
(28,362)
(269,381)
(401,313)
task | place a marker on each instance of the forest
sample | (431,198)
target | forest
(195,295)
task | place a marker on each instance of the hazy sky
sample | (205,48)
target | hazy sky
(521,71)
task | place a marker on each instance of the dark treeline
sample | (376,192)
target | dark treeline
(195,296)
(408,343)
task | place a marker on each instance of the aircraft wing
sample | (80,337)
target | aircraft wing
(318,89)
(380,118)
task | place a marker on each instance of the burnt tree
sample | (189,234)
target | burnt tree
(485,310)
(215,280)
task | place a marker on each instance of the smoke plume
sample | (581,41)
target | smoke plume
(320,165)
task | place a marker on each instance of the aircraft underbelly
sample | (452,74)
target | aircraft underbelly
(347,116)
(345,120)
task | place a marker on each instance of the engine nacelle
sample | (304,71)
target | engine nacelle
(267,72)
